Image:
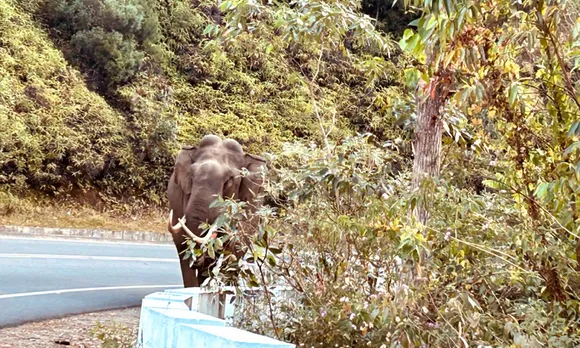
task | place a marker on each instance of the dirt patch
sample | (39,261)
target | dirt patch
(73,331)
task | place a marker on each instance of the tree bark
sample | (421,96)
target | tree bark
(428,137)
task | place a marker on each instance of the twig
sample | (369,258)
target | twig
(537,204)
(269,299)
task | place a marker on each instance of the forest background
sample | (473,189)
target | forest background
(424,154)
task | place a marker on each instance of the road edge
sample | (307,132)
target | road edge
(108,235)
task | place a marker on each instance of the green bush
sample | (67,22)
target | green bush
(367,274)
(118,58)
(115,335)
(109,37)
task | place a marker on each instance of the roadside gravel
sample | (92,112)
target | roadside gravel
(73,331)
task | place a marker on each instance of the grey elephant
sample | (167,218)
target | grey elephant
(201,173)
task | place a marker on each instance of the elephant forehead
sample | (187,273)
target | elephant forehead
(209,164)
(226,153)
(232,145)
(209,139)
(216,166)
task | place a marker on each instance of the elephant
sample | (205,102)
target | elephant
(200,174)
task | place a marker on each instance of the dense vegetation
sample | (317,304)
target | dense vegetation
(452,221)
(105,92)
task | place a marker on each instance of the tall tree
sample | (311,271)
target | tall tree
(433,45)
(512,68)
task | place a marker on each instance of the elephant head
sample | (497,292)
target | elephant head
(200,174)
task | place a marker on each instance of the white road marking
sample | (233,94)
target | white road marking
(64,291)
(86,240)
(89,257)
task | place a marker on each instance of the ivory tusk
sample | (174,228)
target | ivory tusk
(193,236)
(189,233)
(173,229)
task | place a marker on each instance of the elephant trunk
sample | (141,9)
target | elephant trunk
(198,211)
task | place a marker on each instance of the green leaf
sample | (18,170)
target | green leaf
(404,42)
(460,18)
(210,251)
(448,7)
(494,184)
(271,260)
(208,29)
(412,76)
(275,251)
(513,93)
(415,22)
(259,252)
(541,190)
(574,129)
(413,203)
(429,29)
(220,221)
(571,148)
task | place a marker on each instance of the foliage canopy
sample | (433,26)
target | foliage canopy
(496,263)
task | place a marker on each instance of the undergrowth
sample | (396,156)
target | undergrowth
(365,273)
(115,335)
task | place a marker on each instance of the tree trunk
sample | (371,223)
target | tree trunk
(428,137)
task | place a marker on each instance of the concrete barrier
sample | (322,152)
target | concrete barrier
(159,326)
(194,317)
(210,302)
(166,300)
(134,236)
(224,337)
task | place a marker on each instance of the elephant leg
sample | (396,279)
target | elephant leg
(188,274)
(201,279)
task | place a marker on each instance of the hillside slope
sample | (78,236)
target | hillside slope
(101,100)
(53,127)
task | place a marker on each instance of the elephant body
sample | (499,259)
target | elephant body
(200,174)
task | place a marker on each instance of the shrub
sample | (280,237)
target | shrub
(115,335)
(366,274)
(117,58)
(110,37)
(166,83)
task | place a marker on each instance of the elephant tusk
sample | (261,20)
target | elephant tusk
(193,236)
(187,230)
(173,229)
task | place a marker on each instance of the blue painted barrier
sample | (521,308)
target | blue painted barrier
(165,300)
(206,301)
(189,335)
(192,318)
(159,326)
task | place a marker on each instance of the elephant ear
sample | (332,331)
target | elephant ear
(182,169)
(251,184)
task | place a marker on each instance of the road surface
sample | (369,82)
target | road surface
(49,278)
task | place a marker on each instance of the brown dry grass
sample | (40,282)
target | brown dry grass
(74,214)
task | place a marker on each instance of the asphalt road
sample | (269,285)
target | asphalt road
(50,278)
